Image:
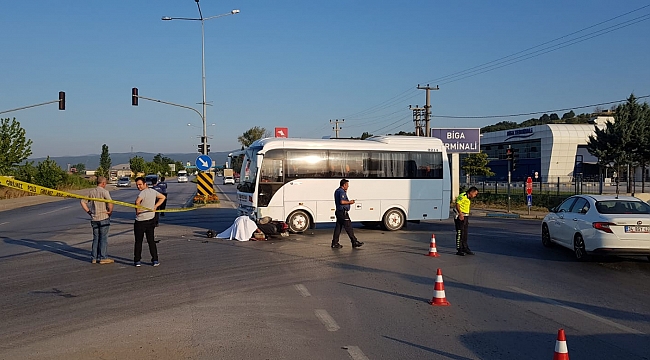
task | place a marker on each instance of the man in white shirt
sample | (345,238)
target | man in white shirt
(145,221)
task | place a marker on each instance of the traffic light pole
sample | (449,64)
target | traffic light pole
(509,178)
(203,146)
(61,102)
(509,157)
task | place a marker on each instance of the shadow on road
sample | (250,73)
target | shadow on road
(59,248)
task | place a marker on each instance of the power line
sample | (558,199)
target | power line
(550,48)
(391,124)
(534,47)
(533,113)
(499,63)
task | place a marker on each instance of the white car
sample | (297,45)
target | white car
(228,180)
(599,225)
(182,177)
(123,182)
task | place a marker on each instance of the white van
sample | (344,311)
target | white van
(181,177)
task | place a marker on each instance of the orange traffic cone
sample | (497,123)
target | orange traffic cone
(439,297)
(561,350)
(433,251)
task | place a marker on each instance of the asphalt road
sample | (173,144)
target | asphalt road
(295,298)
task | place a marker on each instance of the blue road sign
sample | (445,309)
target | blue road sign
(529,200)
(203,162)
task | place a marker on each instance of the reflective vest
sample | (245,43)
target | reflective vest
(463,203)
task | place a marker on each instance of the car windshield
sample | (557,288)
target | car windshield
(622,207)
(124,179)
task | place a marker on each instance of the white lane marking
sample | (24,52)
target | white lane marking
(226,196)
(355,353)
(59,209)
(326,319)
(6,222)
(581,312)
(299,287)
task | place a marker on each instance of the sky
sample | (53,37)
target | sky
(300,64)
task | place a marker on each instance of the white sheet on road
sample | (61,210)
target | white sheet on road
(242,229)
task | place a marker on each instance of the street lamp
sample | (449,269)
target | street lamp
(202,20)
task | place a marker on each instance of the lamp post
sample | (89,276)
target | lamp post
(202,20)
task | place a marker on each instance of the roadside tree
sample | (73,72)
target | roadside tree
(26,172)
(365,135)
(48,174)
(137,165)
(104,162)
(251,135)
(476,165)
(615,144)
(14,146)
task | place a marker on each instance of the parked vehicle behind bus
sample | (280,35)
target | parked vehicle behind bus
(393,179)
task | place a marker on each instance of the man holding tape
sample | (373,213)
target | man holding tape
(100,220)
(145,221)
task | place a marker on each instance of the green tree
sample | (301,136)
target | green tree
(613,144)
(251,135)
(26,172)
(634,117)
(14,146)
(365,135)
(137,165)
(104,162)
(476,165)
(48,174)
(406,133)
(502,125)
(162,164)
(569,115)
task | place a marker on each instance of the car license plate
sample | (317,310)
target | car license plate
(637,229)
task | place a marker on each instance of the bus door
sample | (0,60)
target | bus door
(270,192)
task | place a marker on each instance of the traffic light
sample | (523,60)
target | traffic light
(515,157)
(61,100)
(509,154)
(134,96)
(207,148)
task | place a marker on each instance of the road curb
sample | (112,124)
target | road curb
(502,215)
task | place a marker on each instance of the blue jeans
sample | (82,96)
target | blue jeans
(100,239)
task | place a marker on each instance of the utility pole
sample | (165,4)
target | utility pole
(418,119)
(509,158)
(427,116)
(336,127)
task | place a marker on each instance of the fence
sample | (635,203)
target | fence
(547,194)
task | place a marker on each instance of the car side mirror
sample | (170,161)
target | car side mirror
(551,209)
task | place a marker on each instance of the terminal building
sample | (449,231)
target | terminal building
(552,151)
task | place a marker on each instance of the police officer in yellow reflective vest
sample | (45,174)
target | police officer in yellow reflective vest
(461,220)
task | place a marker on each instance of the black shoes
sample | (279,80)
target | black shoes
(469,252)
(355,245)
(466,252)
(460,253)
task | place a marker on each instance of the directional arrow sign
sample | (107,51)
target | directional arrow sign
(203,162)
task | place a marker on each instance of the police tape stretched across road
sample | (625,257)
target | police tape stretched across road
(41,190)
